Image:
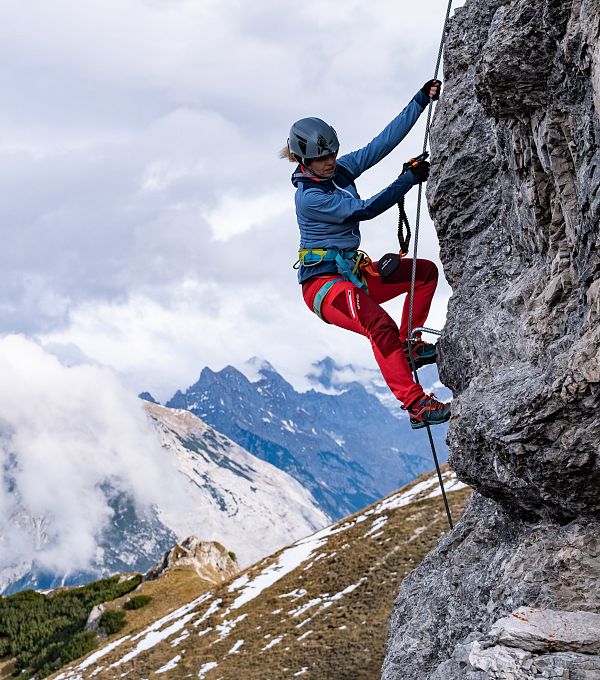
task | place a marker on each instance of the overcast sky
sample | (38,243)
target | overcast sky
(147,221)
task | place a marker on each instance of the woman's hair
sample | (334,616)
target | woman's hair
(285,153)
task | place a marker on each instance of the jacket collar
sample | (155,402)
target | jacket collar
(302,174)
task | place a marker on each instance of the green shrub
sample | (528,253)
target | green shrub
(112,621)
(137,601)
(44,632)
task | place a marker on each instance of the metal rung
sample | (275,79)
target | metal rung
(423,329)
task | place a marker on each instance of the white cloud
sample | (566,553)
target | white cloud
(65,432)
(237,214)
(163,345)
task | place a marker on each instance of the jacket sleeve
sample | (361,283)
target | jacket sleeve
(363,159)
(336,207)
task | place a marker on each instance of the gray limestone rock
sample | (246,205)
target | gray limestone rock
(91,625)
(508,663)
(514,193)
(209,559)
(549,630)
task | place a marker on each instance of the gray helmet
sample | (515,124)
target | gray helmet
(312,138)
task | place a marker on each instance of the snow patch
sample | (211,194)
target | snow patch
(235,648)
(452,485)
(378,524)
(153,638)
(306,606)
(288,560)
(169,665)
(205,668)
(326,600)
(289,426)
(99,654)
(211,610)
(272,643)
(227,626)
(295,594)
(183,636)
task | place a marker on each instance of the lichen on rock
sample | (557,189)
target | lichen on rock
(514,194)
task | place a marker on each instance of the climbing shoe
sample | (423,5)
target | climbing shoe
(428,410)
(423,353)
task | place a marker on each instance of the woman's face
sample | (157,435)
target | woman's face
(323,167)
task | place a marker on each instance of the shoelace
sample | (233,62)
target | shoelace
(431,403)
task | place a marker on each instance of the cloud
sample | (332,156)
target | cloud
(64,433)
(235,215)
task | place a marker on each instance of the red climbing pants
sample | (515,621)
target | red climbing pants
(349,307)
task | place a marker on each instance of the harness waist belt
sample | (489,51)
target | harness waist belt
(347,261)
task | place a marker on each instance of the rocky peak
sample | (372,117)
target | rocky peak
(146,396)
(210,560)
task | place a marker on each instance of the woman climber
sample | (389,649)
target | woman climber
(338,283)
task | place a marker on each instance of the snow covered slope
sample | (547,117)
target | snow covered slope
(227,495)
(247,504)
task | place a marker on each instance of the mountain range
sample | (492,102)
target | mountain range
(344,440)
(262,464)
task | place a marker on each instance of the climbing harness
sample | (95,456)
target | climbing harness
(413,334)
(350,264)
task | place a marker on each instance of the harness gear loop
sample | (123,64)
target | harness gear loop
(414,266)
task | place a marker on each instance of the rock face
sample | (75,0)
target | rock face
(210,559)
(515,197)
(562,641)
(92,624)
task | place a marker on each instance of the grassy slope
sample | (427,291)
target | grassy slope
(174,589)
(366,554)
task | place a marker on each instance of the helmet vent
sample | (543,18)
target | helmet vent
(302,144)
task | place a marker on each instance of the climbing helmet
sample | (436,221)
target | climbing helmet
(312,138)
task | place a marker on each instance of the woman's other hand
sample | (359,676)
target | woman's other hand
(432,89)
(420,170)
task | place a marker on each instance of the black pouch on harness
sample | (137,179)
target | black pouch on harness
(388,264)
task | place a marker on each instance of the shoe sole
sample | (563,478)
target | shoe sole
(419,363)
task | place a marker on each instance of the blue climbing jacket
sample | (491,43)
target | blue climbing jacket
(329,211)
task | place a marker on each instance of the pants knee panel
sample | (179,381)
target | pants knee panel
(382,332)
